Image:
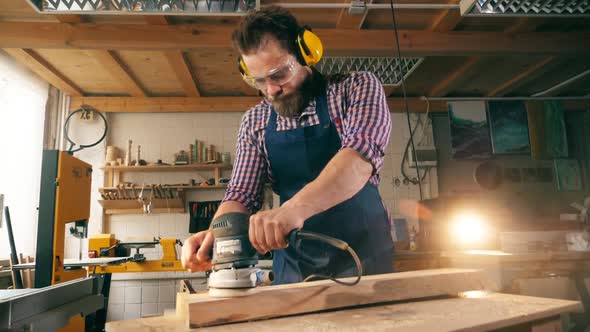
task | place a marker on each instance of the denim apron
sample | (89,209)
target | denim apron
(297,157)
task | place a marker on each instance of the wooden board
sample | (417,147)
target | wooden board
(503,257)
(488,312)
(154,71)
(285,300)
(85,71)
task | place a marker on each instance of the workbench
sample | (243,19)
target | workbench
(408,260)
(51,307)
(478,312)
(535,273)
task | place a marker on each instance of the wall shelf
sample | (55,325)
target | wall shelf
(167,168)
(126,201)
(113,173)
(133,206)
(179,187)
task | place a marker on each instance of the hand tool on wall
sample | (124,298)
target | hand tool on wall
(142,199)
(149,204)
(133,193)
(123,191)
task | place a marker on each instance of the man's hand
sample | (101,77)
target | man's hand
(268,229)
(195,252)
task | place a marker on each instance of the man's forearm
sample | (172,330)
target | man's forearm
(230,206)
(345,174)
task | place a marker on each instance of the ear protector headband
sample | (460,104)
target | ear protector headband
(309,50)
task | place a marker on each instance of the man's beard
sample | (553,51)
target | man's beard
(292,105)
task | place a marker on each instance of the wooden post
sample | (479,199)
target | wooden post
(217,175)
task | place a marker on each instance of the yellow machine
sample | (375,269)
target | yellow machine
(105,245)
(64,200)
(64,207)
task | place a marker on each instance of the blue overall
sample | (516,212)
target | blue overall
(297,157)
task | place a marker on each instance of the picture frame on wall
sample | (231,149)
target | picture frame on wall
(568,175)
(509,130)
(470,136)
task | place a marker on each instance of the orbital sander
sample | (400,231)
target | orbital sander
(234,258)
(234,272)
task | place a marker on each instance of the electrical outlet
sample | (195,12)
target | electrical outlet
(426,157)
(87,115)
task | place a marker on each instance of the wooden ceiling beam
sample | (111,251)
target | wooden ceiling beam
(347,21)
(67,18)
(336,41)
(119,70)
(522,24)
(45,70)
(241,104)
(520,78)
(182,68)
(178,61)
(156,19)
(445,85)
(215,104)
(447,20)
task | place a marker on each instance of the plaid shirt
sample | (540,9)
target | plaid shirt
(358,108)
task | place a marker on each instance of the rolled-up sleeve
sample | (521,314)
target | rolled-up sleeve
(367,121)
(249,170)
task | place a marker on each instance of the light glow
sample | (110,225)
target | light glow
(468,228)
(474,294)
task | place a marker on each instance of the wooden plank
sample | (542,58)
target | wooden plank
(217,73)
(242,104)
(447,20)
(216,104)
(482,256)
(73,19)
(119,70)
(521,77)
(336,41)
(179,63)
(484,313)
(445,85)
(285,300)
(182,68)
(45,70)
(156,19)
(90,76)
(154,71)
(167,168)
(523,24)
(29,273)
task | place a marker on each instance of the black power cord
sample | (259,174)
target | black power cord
(403,84)
(297,235)
(84,109)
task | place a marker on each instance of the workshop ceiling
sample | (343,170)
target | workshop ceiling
(179,55)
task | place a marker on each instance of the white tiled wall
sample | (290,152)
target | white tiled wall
(146,297)
(161,135)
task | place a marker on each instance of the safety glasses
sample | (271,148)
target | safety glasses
(277,76)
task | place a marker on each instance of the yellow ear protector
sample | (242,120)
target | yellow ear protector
(308,45)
